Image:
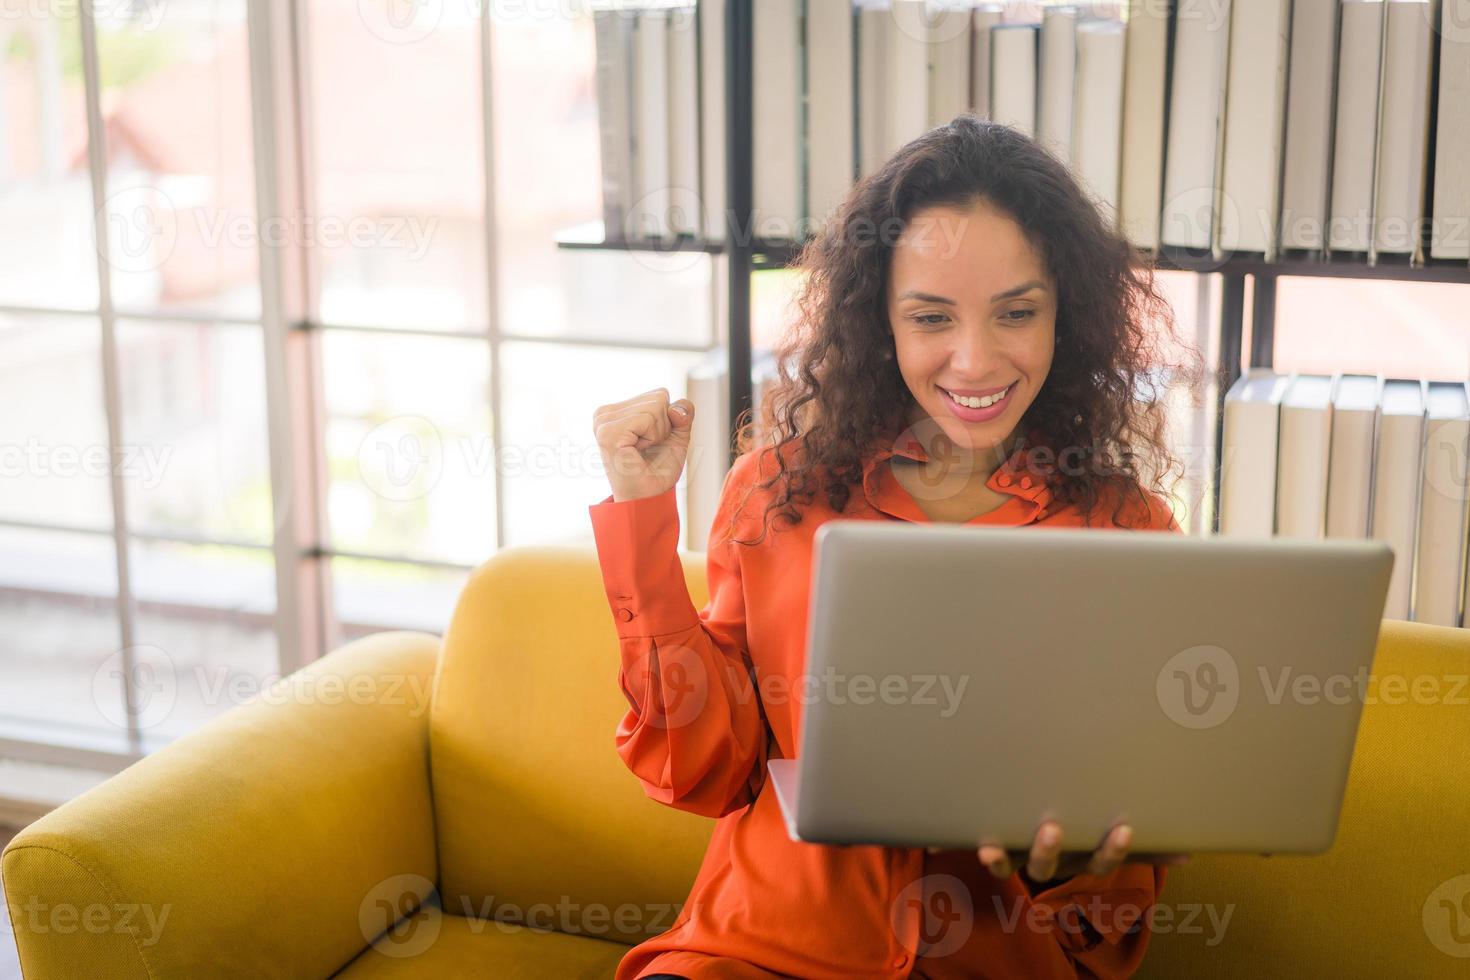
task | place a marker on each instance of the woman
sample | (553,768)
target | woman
(971,341)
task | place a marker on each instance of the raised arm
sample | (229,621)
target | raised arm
(694,733)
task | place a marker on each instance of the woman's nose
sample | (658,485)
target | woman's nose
(972,352)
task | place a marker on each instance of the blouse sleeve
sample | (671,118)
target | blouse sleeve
(694,733)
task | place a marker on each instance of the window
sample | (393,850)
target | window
(345,328)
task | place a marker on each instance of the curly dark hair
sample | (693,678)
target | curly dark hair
(839,391)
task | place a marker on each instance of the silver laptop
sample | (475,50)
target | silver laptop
(970,681)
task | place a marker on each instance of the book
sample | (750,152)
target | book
(1450,235)
(831,105)
(777,92)
(1396,476)
(1255,107)
(709,446)
(1193,138)
(874,22)
(1308,142)
(983,19)
(1097,129)
(1356,125)
(649,213)
(613,39)
(1248,453)
(949,60)
(906,78)
(1144,86)
(711,15)
(1302,456)
(1056,80)
(1013,75)
(1439,556)
(1350,474)
(686,215)
(1403,138)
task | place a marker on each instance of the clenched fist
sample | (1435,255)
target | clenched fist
(644,441)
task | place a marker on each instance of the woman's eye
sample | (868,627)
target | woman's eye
(1024,315)
(930,319)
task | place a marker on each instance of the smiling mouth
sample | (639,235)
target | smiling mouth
(985,402)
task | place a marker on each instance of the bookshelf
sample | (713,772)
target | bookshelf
(746,256)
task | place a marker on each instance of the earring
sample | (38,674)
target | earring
(1077,420)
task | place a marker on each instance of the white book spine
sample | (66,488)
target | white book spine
(1254,111)
(1301,472)
(1098,125)
(874,24)
(832,107)
(1308,151)
(778,191)
(1350,474)
(949,61)
(907,87)
(1013,76)
(1195,117)
(1396,476)
(650,210)
(712,116)
(1355,126)
(1142,164)
(613,30)
(1057,76)
(1451,231)
(1440,549)
(1248,443)
(983,20)
(1403,140)
(685,207)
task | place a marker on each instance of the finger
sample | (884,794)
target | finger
(1112,852)
(637,429)
(612,409)
(1046,849)
(996,860)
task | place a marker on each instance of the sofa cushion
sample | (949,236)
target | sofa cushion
(432,944)
(532,804)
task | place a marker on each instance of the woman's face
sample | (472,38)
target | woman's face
(973,313)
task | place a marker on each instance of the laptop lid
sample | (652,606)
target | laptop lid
(974,681)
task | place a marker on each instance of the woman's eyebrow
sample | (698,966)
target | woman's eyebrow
(1007,294)
(926,297)
(1018,290)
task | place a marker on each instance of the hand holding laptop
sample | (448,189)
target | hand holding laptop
(1046,859)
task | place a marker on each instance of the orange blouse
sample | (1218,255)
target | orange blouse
(698,734)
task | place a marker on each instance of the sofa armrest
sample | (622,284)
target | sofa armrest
(270,842)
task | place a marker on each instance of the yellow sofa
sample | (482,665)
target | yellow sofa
(402,806)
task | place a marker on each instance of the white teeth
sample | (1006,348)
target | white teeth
(984,402)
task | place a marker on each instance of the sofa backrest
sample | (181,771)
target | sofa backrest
(537,818)
(1392,896)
